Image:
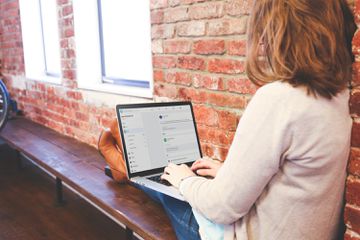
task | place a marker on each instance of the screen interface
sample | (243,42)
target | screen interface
(156,136)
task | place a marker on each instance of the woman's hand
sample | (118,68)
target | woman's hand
(174,174)
(206,167)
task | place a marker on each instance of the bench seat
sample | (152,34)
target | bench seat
(81,167)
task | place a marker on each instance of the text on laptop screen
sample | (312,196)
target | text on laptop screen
(156,136)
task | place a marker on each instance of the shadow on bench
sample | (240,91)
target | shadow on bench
(81,168)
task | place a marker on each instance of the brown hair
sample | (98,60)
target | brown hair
(303,42)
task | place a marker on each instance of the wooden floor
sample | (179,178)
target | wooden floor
(28,210)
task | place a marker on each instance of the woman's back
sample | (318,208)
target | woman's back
(288,156)
(307,191)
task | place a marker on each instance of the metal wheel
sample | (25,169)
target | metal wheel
(4,104)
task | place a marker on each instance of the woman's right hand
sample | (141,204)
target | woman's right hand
(206,167)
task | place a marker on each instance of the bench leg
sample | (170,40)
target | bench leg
(59,192)
(129,234)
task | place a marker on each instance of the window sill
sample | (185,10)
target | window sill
(117,89)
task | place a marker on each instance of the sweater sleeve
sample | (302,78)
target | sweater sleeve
(258,148)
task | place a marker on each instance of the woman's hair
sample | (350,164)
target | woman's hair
(303,42)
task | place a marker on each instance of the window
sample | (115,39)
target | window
(40,34)
(113,44)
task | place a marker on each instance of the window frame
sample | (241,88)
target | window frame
(90,44)
(34,43)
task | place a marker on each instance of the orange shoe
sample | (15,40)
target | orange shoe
(110,147)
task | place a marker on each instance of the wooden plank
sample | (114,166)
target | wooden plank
(122,201)
(71,145)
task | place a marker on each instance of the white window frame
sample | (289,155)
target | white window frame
(89,53)
(34,42)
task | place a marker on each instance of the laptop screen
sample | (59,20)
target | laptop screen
(156,134)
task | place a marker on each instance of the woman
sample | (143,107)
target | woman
(285,173)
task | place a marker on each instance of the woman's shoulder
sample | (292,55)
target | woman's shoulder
(299,103)
(279,92)
(285,92)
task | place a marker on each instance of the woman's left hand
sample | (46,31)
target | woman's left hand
(174,174)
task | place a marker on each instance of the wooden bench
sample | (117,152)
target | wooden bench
(81,168)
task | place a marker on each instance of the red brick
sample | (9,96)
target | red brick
(158,4)
(355,103)
(68,63)
(181,78)
(191,29)
(157,17)
(215,136)
(158,75)
(227,26)
(355,138)
(220,153)
(64,43)
(227,66)
(67,10)
(164,61)
(356,43)
(176,14)
(55,108)
(74,95)
(207,47)
(162,31)
(238,8)
(206,115)
(165,90)
(228,120)
(177,46)
(82,117)
(207,10)
(10,5)
(41,87)
(353,191)
(190,94)
(211,82)
(241,85)
(352,218)
(357,11)
(55,125)
(69,32)
(67,22)
(237,48)
(226,100)
(351,236)
(354,162)
(206,148)
(69,74)
(356,74)
(193,63)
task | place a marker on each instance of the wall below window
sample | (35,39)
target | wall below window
(198,54)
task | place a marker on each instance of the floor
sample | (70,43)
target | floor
(28,209)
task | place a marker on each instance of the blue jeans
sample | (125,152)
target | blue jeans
(179,212)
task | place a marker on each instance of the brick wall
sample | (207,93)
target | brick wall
(198,54)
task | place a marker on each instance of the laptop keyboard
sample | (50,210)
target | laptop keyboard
(159,180)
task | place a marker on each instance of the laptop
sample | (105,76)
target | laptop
(153,135)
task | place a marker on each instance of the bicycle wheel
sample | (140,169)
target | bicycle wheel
(4,104)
